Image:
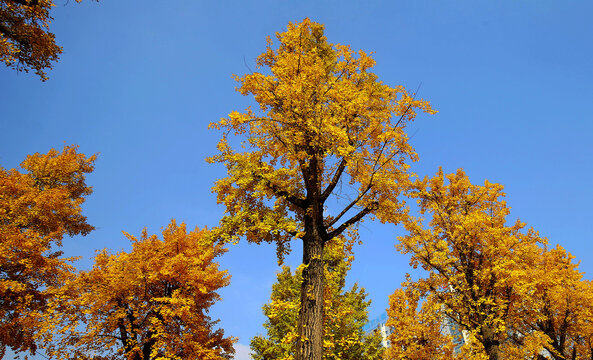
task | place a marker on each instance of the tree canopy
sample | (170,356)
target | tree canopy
(149,303)
(26,42)
(498,283)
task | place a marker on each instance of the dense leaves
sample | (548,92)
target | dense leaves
(419,325)
(326,148)
(150,303)
(470,254)
(38,206)
(556,317)
(509,295)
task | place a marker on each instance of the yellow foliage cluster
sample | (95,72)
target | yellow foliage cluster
(418,333)
(324,116)
(511,297)
(149,303)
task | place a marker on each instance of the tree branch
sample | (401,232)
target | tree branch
(362,213)
(334,181)
(298,202)
(354,202)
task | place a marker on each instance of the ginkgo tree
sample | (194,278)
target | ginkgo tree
(325,148)
(39,204)
(478,265)
(149,303)
(498,285)
(25,40)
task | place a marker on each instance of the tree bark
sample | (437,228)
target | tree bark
(491,343)
(310,325)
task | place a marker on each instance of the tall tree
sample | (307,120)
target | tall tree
(150,303)
(343,321)
(25,40)
(477,264)
(323,152)
(38,206)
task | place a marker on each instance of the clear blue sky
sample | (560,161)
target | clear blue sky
(139,81)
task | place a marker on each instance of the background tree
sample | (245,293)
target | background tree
(150,303)
(324,152)
(420,327)
(38,206)
(344,317)
(478,266)
(25,41)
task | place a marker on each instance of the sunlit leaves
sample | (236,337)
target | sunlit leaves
(323,118)
(478,266)
(419,326)
(38,206)
(149,303)
(499,284)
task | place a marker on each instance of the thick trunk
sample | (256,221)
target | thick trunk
(310,325)
(491,343)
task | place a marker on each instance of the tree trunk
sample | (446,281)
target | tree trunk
(491,343)
(310,325)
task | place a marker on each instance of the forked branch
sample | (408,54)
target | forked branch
(353,220)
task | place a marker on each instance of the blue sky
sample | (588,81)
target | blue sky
(139,81)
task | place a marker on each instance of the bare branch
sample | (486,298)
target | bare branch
(354,202)
(334,181)
(353,220)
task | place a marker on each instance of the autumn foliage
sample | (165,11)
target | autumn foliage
(419,327)
(149,303)
(324,149)
(497,283)
(25,40)
(39,205)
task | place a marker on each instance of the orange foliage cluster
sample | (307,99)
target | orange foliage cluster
(37,208)
(151,302)
(25,41)
(148,303)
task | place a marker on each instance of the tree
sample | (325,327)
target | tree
(150,303)
(38,206)
(25,41)
(343,321)
(323,152)
(478,266)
